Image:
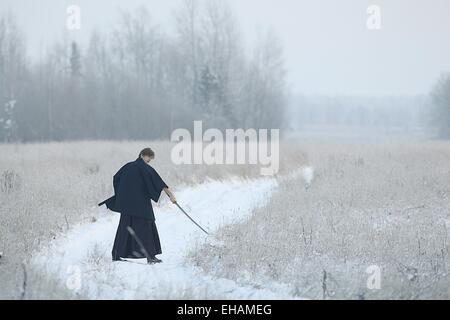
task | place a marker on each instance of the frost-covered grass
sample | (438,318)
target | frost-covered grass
(381,204)
(45,188)
(367,205)
(80,260)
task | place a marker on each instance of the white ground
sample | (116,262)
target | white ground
(81,259)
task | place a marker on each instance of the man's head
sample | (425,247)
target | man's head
(147,155)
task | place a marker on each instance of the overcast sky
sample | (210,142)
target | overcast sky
(328,47)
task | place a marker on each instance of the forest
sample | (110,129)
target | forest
(137,81)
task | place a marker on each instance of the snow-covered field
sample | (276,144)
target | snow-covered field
(369,207)
(363,205)
(46,189)
(81,259)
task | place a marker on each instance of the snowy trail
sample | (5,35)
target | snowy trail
(81,259)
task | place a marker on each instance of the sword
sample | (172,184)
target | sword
(191,218)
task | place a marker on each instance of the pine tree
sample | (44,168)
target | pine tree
(75,61)
(208,87)
(441,103)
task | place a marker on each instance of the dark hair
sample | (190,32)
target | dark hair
(147,152)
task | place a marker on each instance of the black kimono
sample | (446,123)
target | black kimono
(135,185)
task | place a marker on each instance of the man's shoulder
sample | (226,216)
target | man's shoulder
(152,171)
(127,166)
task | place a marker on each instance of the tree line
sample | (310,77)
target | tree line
(440,112)
(139,82)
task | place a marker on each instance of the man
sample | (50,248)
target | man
(135,185)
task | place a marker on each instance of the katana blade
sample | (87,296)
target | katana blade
(182,210)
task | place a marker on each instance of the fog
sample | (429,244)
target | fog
(328,50)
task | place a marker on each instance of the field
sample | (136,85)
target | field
(48,188)
(365,205)
(369,207)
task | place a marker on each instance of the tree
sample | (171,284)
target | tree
(187,19)
(137,51)
(440,96)
(265,85)
(223,52)
(208,89)
(75,61)
(138,82)
(7,122)
(12,74)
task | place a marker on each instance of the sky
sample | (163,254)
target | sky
(328,48)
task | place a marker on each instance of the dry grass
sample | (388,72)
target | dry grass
(45,188)
(385,205)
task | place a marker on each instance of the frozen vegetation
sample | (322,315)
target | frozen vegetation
(357,206)
(383,206)
(46,189)
(81,259)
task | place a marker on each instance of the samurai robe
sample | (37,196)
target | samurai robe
(135,185)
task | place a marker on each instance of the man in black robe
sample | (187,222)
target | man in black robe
(135,185)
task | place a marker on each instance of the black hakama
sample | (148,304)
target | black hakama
(136,238)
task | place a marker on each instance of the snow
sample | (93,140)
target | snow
(308,174)
(81,259)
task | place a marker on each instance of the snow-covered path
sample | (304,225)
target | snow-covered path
(81,259)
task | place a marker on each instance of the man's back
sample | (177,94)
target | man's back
(134,185)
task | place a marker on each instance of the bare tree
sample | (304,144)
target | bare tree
(12,73)
(441,106)
(265,85)
(137,47)
(187,19)
(137,82)
(224,59)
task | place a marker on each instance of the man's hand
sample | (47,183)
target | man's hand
(170,195)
